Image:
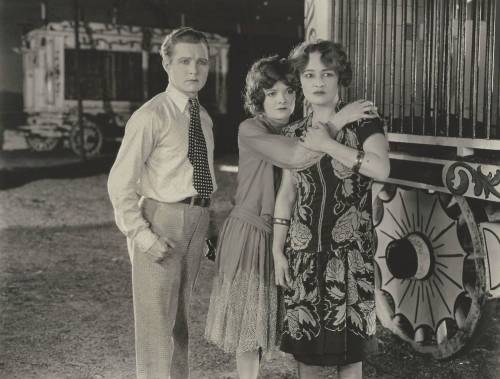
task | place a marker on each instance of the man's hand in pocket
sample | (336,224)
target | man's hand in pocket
(161,249)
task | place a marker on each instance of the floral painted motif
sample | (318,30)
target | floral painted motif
(330,249)
(341,171)
(346,227)
(302,313)
(300,235)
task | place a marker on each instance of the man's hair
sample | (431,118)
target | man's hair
(184,34)
(332,55)
(264,74)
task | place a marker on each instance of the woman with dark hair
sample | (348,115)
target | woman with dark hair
(243,304)
(323,234)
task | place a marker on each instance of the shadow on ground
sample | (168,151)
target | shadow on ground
(22,166)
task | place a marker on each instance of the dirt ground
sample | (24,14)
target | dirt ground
(66,303)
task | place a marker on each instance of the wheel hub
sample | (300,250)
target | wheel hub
(409,257)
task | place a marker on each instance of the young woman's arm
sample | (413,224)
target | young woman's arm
(373,159)
(288,152)
(281,151)
(283,208)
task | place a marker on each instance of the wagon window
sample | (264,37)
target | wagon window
(90,66)
(157,77)
(208,95)
(105,75)
(125,69)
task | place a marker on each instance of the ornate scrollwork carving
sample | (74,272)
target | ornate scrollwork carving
(457,180)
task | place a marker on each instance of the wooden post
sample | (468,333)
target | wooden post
(78,79)
(318,19)
(43,12)
(145,49)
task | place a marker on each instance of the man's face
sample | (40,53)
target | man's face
(187,67)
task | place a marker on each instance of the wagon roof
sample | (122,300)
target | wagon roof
(112,30)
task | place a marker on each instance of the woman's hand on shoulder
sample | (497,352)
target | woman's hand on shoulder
(357,110)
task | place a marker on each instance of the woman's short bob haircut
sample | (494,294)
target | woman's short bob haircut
(264,74)
(332,55)
(184,34)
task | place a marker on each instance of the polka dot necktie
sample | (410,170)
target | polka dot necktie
(197,152)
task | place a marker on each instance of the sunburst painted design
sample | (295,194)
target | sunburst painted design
(430,300)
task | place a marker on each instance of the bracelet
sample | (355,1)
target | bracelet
(359,161)
(281,221)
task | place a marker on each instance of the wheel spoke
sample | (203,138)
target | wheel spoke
(41,144)
(461,315)
(441,333)
(401,326)
(419,336)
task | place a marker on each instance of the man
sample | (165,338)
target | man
(160,187)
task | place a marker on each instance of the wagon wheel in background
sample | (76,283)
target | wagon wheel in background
(41,144)
(92,138)
(430,285)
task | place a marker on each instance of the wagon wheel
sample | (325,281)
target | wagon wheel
(92,138)
(41,144)
(430,288)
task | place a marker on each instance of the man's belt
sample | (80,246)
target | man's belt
(196,200)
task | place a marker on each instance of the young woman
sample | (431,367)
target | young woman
(243,305)
(323,237)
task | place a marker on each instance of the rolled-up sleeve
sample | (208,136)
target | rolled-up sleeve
(137,144)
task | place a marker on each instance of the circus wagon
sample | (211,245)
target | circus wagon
(117,66)
(432,67)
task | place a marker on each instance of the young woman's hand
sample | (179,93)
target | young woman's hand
(281,271)
(316,137)
(354,111)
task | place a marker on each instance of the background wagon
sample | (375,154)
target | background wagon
(119,67)
(432,67)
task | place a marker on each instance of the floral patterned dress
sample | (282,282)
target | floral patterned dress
(329,312)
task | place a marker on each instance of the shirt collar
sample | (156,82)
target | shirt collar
(179,99)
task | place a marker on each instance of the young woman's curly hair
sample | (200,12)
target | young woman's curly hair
(263,74)
(332,55)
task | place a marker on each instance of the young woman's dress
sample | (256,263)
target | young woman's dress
(329,312)
(243,303)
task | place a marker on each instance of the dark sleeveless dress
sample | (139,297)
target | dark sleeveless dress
(329,312)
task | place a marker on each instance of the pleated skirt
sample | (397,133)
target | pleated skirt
(242,313)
